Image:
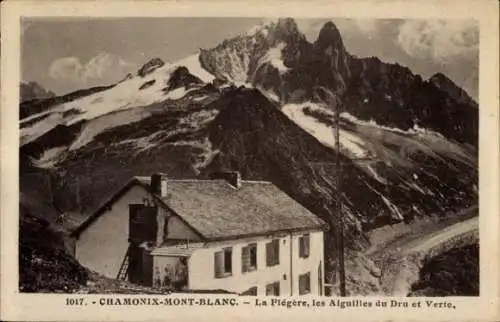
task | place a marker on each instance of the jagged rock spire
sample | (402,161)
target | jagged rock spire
(329,35)
(287,25)
(284,30)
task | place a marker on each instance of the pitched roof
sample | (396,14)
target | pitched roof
(108,203)
(216,210)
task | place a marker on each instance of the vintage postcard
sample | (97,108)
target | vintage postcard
(181,160)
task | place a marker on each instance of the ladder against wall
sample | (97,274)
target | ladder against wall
(123,272)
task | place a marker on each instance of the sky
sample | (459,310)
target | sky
(66,54)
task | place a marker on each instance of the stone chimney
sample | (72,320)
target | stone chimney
(232,177)
(159,183)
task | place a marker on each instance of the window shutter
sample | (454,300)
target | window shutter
(228,260)
(273,289)
(273,252)
(301,284)
(320,279)
(245,259)
(252,249)
(219,264)
(269,254)
(276,246)
(269,289)
(304,246)
(304,283)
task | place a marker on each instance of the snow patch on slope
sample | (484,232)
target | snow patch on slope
(324,133)
(143,143)
(414,130)
(269,94)
(239,63)
(200,98)
(101,124)
(178,93)
(49,158)
(274,57)
(192,123)
(192,63)
(374,174)
(204,157)
(418,188)
(392,207)
(123,96)
(429,141)
(37,129)
(351,118)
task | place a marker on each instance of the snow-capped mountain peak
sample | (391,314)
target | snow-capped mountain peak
(262,28)
(155,82)
(238,59)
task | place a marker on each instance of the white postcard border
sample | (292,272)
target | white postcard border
(16,306)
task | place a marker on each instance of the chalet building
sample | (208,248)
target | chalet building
(229,234)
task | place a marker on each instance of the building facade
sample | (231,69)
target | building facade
(238,236)
(283,264)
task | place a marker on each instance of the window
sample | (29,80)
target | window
(304,283)
(273,289)
(250,292)
(223,263)
(249,258)
(304,246)
(142,223)
(273,252)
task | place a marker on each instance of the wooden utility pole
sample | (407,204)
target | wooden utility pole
(338,204)
(339,224)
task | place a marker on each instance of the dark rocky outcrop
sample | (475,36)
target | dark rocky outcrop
(150,66)
(33,91)
(182,78)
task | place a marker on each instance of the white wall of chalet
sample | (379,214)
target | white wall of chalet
(202,265)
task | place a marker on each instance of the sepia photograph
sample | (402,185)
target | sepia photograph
(250,156)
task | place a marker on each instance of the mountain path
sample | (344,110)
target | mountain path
(427,243)
(400,263)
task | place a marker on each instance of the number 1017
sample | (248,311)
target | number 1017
(74,301)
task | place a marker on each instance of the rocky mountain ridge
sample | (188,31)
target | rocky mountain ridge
(278,59)
(32,90)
